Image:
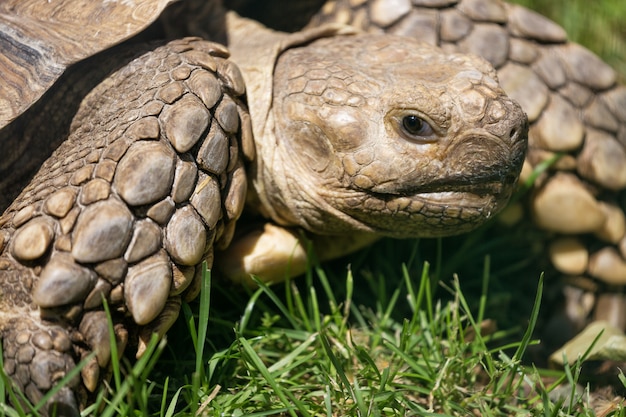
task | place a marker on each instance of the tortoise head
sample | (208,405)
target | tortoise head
(384,134)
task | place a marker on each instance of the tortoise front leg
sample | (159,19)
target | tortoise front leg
(149,181)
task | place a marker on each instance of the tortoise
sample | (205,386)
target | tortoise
(165,145)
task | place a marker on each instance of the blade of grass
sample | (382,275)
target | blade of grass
(203,323)
(299,303)
(203,317)
(532,322)
(115,365)
(337,365)
(424,293)
(286,397)
(347,305)
(171,409)
(143,364)
(293,355)
(277,302)
(328,291)
(484,290)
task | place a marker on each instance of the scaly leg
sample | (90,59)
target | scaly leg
(150,180)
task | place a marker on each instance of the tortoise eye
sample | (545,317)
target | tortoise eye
(416,126)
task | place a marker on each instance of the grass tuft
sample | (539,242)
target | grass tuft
(311,353)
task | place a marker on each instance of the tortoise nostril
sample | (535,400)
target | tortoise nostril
(518,132)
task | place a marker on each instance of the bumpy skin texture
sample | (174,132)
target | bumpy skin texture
(148,183)
(568,93)
(385,135)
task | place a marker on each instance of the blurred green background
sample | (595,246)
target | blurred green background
(600,25)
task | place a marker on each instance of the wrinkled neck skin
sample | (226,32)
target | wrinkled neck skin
(294,196)
(279,185)
(375,134)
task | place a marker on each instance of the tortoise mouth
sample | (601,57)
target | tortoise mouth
(494,185)
(458,205)
(445,209)
(459,198)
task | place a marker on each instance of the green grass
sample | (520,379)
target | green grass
(345,360)
(307,348)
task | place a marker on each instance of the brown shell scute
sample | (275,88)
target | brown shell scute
(132,201)
(40,42)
